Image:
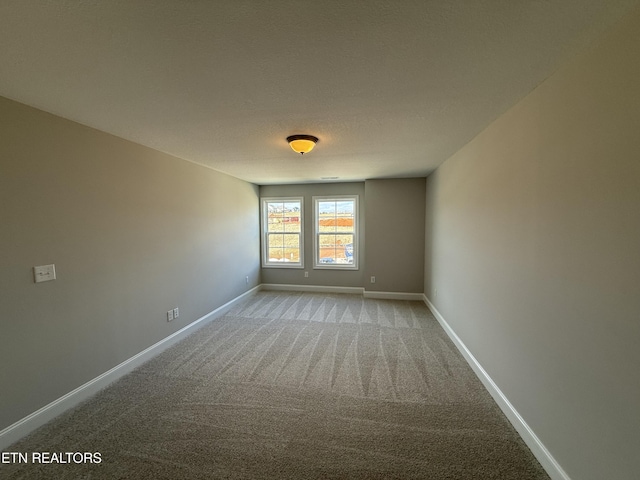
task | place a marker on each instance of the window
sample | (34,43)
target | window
(282,232)
(336,230)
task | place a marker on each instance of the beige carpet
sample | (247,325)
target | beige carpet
(294,386)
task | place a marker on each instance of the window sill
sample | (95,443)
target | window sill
(335,266)
(283,265)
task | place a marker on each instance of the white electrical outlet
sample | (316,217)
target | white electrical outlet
(44,273)
(373,279)
(176,312)
(306,274)
(246,279)
(169,315)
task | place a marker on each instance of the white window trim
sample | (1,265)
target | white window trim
(356,233)
(263,228)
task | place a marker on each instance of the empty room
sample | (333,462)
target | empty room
(320,240)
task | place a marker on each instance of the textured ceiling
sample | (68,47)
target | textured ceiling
(391,88)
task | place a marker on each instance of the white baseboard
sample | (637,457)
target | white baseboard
(350,290)
(23,427)
(551,466)
(393,295)
(312,288)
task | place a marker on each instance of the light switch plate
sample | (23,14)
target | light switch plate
(44,273)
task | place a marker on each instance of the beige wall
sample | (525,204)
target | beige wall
(533,246)
(295,276)
(132,232)
(387,207)
(395,234)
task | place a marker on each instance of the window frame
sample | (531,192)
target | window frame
(264,219)
(316,233)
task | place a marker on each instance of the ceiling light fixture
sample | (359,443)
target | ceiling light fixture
(302,143)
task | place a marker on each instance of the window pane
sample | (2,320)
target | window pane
(275,225)
(291,206)
(275,240)
(291,247)
(291,222)
(336,216)
(326,217)
(284,247)
(327,208)
(345,216)
(283,217)
(275,210)
(335,249)
(276,255)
